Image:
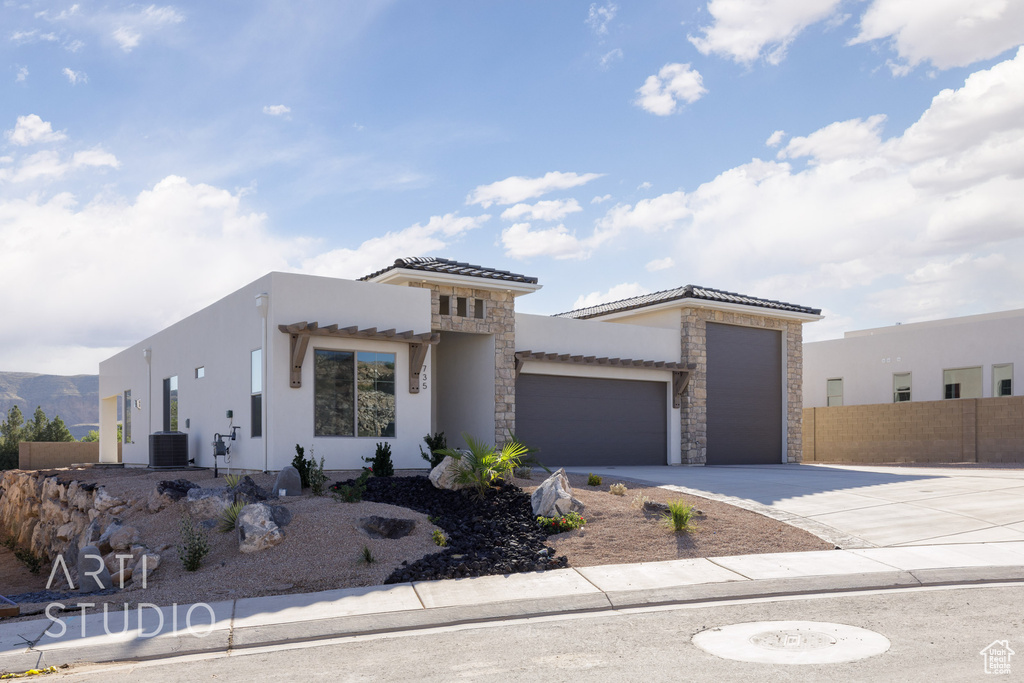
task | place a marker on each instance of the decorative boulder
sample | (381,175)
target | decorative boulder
(289,481)
(103,542)
(443,476)
(248,492)
(208,503)
(386,527)
(554,498)
(281,515)
(145,567)
(169,492)
(256,528)
(89,580)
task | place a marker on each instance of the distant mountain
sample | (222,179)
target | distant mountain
(76,398)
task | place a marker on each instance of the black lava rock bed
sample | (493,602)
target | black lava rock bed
(497,535)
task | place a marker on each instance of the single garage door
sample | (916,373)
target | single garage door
(582,421)
(744,417)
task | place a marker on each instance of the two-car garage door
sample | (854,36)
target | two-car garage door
(589,422)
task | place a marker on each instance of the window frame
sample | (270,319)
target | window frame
(910,387)
(995,392)
(829,397)
(355,393)
(954,390)
(256,393)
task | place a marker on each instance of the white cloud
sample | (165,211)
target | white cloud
(22,75)
(660,264)
(775,139)
(551,210)
(518,188)
(31,129)
(662,93)
(33,36)
(754,29)
(127,37)
(521,242)
(416,240)
(610,57)
(618,292)
(75,77)
(598,18)
(919,225)
(946,33)
(277,110)
(645,185)
(48,165)
(131,27)
(600,199)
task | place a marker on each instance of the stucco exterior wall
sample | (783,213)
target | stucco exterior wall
(867,359)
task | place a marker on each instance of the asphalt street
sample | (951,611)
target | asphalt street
(934,634)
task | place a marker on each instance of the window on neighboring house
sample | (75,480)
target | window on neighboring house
(126,423)
(200,372)
(460,306)
(900,387)
(1002,379)
(962,383)
(444,305)
(835,392)
(354,393)
(171,404)
(478,309)
(256,394)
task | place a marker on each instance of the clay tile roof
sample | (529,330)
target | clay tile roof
(432,264)
(687,292)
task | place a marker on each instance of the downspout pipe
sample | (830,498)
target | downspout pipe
(263,304)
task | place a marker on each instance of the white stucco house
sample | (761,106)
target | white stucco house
(686,376)
(967,357)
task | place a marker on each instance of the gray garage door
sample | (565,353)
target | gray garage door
(744,416)
(589,422)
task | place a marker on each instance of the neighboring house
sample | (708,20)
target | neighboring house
(968,357)
(686,376)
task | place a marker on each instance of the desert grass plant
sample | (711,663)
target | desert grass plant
(317,478)
(638,501)
(678,516)
(380,463)
(435,443)
(367,556)
(617,489)
(232,480)
(593,480)
(439,538)
(228,519)
(557,525)
(194,544)
(482,465)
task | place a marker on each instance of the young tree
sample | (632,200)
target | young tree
(37,426)
(12,431)
(56,430)
(92,436)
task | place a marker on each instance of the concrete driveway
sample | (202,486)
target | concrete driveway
(860,507)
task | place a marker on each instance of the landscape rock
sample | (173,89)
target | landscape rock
(103,543)
(554,497)
(89,560)
(282,515)
(104,501)
(443,476)
(289,481)
(386,527)
(248,492)
(167,493)
(124,538)
(208,503)
(145,567)
(256,528)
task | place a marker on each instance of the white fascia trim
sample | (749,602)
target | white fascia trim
(714,306)
(399,276)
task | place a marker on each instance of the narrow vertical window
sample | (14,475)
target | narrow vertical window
(835,392)
(376,394)
(126,429)
(900,387)
(1002,379)
(478,309)
(171,404)
(444,305)
(256,394)
(460,307)
(200,372)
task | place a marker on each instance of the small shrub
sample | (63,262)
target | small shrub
(317,478)
(380,463)
(352,493)
(232,480)
(638,501)
(556,525)
(482,465)
(435,443)
(300,463)
(194,544)
(524,472)
(33,563)
(367,556)
(593,480)
(617,489)
(678,516)
(229,518)
(433,519)
(439,538)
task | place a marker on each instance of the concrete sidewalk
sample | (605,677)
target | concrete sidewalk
(859,506)
(233,626)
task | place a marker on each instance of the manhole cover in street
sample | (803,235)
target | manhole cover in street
(791,642)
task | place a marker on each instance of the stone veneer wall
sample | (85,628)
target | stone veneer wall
(693,330)
(500,320)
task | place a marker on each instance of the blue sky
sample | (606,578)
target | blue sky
(861,156)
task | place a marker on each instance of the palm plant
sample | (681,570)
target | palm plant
(481,465)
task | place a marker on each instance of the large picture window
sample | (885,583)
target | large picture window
(354,393)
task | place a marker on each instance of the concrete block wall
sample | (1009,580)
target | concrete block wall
(965,430)
(39,455)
